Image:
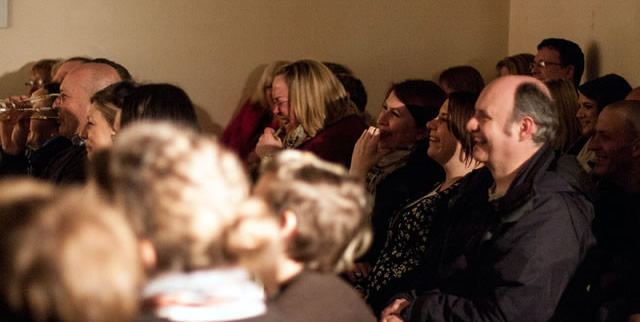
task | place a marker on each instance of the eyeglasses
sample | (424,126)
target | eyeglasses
(38,83)
(280,104)
(542,64)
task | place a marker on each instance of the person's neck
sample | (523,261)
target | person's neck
(505,172)
(287,269)
(455,169)
(630,181)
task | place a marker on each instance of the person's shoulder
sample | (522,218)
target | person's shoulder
(313,296)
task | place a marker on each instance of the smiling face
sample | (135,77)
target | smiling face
(97,133)
(73,103)
(282,110)
(397,126)
(442,144)
(492,127)
(612,146)
(587,115)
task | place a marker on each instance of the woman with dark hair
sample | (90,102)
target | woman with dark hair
(159,102)
(411,228)
(461,79)
(593,96)
(392,158)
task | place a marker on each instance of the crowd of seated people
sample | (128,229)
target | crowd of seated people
(514,201)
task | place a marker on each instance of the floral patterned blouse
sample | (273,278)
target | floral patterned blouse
(407,239)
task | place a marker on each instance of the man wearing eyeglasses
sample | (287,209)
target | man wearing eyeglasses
(558,58)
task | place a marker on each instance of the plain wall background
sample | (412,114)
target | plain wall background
(215,49)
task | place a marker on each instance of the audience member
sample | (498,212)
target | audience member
(616,143)
(355,90)
(338,69)
(67,166)
(182,192)
(412,227)
(40,74)
(461,79)
(242,133)
(64,256)
(558,58)
(159,102)
(314,112)
(513,270)
(515,65)
(321,211)
(593,96)
(565,98)
(392,159)
(43,141)
(103,118)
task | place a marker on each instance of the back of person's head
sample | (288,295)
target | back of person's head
(532,101)
(315,94)
(264,84)
(161,102)
(422,98)
(355,90)
(109,100)
(65,256)
(461,79)
(570,54)
(180,190)
(460,110)
(338,69)
(329,204)
(516,65)
(122,71)
(606,89)
(565,99)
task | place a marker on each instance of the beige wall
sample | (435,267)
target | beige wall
(607,31)
(213,48)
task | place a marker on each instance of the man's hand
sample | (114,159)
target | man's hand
(268,144)
(392,312)
(366,153)
(14,129)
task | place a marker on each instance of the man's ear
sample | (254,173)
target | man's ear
(527,128)
(422,133)
(289,224)
(570,71)
(147,254)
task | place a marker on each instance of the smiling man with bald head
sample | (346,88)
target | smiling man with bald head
(67,165)
(518,229)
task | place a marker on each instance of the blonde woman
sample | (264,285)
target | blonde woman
(314,113)
(242,133)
